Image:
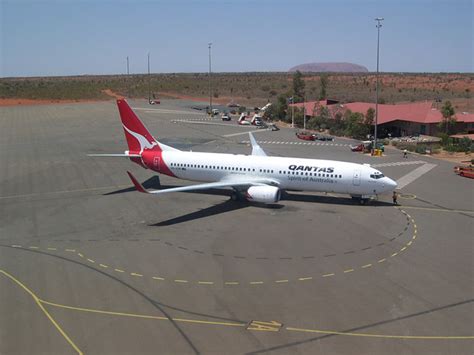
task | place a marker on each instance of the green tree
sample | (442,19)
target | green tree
(448,112)
(278,110)
(355,126)
(370,117)
(298,87)
(324,79)
(321,118)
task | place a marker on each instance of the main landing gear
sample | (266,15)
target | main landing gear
(361,200)
(237,196)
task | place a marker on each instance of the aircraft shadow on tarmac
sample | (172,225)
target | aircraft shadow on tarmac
(154,183)
(229,205)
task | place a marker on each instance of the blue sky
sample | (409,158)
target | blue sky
(69,37)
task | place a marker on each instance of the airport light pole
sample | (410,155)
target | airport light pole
(304,113)
(210,88)
(128,78)
(293,111)
(379,24)
(149,82)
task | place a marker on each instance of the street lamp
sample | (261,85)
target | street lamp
(210,90)
(379,24)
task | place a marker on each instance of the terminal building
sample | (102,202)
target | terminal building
(398,120)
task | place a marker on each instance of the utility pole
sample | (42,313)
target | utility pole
(293,111)
(210,88)
(128,78)
(379,24)
(149,82)
(304,113)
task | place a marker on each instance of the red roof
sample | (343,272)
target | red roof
(470,136)
(309,105)
(420,112)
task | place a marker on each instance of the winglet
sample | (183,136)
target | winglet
(138,186)
(256,149)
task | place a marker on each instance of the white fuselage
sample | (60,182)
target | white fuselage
(287,173)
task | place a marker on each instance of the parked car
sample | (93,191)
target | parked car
(306,136)
(357,148)
(273,127)
(322,137)
(225,118)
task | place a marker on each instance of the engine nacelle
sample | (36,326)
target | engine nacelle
(265,194)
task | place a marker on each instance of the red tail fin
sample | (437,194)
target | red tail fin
(138,137)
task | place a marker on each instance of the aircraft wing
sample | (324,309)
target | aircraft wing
(256,149)
(247,182)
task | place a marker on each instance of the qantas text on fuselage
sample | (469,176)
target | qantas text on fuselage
(256,177)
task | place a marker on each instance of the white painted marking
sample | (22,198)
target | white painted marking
(240,133)
(399,163)
(415,174)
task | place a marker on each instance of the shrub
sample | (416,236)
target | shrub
(420,149)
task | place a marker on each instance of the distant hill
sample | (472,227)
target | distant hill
(330,67)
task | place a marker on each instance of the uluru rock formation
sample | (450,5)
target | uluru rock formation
(330,67)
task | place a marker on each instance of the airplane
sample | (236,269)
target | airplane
(264,108)
(256,177)
(242,121)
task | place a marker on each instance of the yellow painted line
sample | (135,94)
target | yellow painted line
(414,237)
(157,278)
(412,221)
(438,209)
(433,337)
(103,312)
(414,224)
(80,255)
(16,246)
(231,283)
(52,248)
(33,247)
(40,305)
(256,282)
(366,266)
(305,278)
(381,260)
(229,324)
(205,283)
(145,316)
(91,261)
(135,274)
(348,270)
(119,270)
(181,281)
(402,249)
(327,275)
(281,281)
(71,250)
(104,266)
(394,254)
(409,243)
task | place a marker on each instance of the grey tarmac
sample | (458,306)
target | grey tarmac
(88,265)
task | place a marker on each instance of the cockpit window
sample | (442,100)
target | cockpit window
(377,175)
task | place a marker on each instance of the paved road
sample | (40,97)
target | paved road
(88,265)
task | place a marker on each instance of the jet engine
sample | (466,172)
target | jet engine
(265,194)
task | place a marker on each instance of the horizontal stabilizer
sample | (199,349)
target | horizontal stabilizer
(138,186)
(115,155)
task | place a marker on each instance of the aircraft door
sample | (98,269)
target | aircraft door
(356,178)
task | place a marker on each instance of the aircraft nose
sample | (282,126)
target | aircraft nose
(392,185)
